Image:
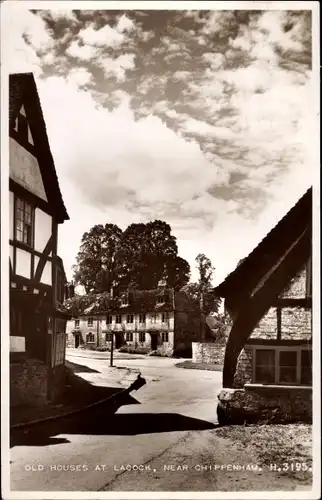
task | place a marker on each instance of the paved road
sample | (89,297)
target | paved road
(175,406)
(164,440)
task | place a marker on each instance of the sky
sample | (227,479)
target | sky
(201,118)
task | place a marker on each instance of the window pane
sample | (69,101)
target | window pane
(265,366)
(288,358)
(288,374)
(306,367)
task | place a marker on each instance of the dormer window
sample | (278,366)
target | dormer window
(24,222)
(126,299)
(164,297)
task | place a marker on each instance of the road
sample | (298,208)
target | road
(164,441)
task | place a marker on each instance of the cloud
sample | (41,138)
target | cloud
(80,76)
(26,38)
(83,52)
(118,66)
(104,37)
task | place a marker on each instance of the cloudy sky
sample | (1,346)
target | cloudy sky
(200,118)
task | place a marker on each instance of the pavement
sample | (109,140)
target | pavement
(160,438)
(84,387)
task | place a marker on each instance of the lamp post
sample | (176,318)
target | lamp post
(112,348)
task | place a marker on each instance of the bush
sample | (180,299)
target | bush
(161,354)
(102,349)
(134,349)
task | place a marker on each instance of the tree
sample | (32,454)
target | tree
(138,257)
(201,293)
(147,253)
(95,268)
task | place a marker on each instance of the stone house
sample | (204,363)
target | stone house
(37,277)
(154,320)
(268,359)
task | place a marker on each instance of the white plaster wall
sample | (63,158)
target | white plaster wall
(17,344)
(23,263)
(46,274)
(43,229)
(24,169)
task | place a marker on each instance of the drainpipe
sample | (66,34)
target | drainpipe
(97,333)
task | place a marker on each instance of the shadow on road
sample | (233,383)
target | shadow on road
(97,422)
(77,368)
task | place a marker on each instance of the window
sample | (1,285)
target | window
(24,222)
(153,318)
(90,338)
(160,299)
(142,336)
(109,320)
(142,318)
(90,322)
(108,337)
(76,323)
(165,337)
(129,337)
(125,300)
(282,365)
(306,367)
(165,317)
(265,366)
(118,318)
(130,318)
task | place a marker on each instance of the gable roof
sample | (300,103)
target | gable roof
(265,255)
(23,91)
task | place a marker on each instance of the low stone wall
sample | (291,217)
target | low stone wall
(270,404)
(210,353)
(28,382)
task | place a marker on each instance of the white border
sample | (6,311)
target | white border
(160,5)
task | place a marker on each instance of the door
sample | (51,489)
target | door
(77,340)
(154,341)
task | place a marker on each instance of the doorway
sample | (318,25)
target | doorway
(77,340)
(154,341)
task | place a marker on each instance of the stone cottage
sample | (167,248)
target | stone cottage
(268,360)
(159,320)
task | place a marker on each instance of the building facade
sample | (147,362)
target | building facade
(37,277)
(268,357)
(151,320)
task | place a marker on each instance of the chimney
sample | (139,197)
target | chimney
(111,292)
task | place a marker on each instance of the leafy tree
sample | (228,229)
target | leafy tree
(205,270)
(138,257)
(147,253)
(95,268)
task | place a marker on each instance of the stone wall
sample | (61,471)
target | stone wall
(210,353)
(267,326)
(244,371)
(276,404)
(28,382)
(58,382)
(296,323)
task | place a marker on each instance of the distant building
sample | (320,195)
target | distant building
(37,277)
(160,320)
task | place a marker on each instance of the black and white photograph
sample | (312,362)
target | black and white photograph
(160,191)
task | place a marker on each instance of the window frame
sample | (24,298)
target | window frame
(277,367)
(142,335)
(142,316)
(165,337)
(109,319)
(91,335)
(76,323)
(108,337)
(130,319)
(129,336)
(165,317)
(90,321)
(118,316)
(20,205)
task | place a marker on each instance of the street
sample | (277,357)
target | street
(164,441)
